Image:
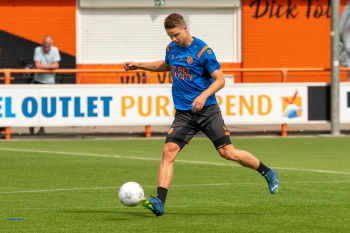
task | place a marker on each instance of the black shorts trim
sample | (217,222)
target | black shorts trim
(181,143)
(222,142)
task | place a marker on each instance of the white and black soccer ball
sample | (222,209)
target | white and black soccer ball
(131,194)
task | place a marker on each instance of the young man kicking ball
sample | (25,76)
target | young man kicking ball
(197,76)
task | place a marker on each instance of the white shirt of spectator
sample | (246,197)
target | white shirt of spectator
(46,59)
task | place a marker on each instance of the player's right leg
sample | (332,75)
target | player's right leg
(165,176)
(166,168)
(181,132)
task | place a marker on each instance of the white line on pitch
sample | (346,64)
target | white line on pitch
(179,185)
(181,161)
(308,170)
(54,190)
(153,186)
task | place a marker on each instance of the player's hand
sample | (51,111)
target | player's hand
(199,102)
(130,65)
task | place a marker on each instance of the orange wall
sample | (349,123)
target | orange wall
(293,39)
(287,33)
(33,20)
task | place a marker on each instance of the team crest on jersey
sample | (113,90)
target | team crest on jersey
(189,59)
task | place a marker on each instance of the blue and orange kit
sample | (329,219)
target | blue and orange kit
(191,67)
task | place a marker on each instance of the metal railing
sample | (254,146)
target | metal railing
(241,75)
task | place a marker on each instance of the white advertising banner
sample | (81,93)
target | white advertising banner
(344,102)
(92,105)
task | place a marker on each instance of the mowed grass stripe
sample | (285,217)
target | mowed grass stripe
(181,161)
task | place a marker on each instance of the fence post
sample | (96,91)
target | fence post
(148,77)
(7,81)
(284,80)
(7,133)
(148,131)
(284,130)
(148,127)
(284,75)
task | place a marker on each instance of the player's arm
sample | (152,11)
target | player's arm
(54,65)
(157,66)
(219,82)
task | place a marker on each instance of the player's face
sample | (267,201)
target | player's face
(177,34)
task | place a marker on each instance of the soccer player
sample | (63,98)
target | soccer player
(197,76)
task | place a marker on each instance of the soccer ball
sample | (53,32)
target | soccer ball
(131,194)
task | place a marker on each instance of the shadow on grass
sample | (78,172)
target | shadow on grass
(150,215)
(117,219)
(212,214)
(133,214)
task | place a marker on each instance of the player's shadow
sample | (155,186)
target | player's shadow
(211,214)
(150,215)
(129,213)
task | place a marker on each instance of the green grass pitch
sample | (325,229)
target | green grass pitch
(72,186)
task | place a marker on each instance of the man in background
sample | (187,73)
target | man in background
(45,57)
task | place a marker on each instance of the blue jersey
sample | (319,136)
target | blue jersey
(191,67)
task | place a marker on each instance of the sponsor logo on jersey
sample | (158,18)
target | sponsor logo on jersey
(209,51)
(182,73)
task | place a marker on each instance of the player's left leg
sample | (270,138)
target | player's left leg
(246,159)
(217,132)
(242,157)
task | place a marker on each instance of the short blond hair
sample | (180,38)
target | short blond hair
(174,20)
